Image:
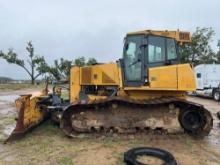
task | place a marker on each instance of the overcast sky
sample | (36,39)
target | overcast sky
(93,28)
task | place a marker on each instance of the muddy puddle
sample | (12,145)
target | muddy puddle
(9,98)
(7,116)
(7,111)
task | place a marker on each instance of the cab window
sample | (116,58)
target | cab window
(156,49)
(161,49)
(171,49)
(131,59)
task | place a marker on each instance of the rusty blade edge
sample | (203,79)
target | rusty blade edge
(19,134)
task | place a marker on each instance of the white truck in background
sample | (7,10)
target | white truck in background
(208,80)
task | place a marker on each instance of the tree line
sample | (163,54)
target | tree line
(36,65)
(198,51)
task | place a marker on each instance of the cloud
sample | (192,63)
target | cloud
(95,28)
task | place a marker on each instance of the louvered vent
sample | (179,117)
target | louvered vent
(184,36)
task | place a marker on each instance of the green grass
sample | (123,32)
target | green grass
(65,94)
(108,142)
(189,141)
(7,120)
(120,160)
(65,161)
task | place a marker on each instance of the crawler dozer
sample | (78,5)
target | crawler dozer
(144,91)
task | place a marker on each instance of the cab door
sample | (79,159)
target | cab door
(133,61)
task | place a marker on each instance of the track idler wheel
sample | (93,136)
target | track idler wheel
(193,121)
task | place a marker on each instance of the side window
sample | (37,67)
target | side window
(131,50)
(198,75)
(171,49)
(156,49)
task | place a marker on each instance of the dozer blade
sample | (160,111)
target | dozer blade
(29,116)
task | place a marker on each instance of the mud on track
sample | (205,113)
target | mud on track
(48,145)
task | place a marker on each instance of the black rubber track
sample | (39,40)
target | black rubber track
(131,155)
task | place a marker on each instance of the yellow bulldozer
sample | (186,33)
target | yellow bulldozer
(144,91)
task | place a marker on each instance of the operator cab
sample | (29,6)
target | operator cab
(147,50)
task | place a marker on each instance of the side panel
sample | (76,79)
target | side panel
(164,77)
(169,78)
(104,74)
(186,78)
(98,75)
(74,83)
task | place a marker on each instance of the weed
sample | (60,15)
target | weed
(65,94)
(65,161)
(189,142)
(120,160)
(108,142)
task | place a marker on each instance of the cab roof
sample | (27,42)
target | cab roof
(179,36)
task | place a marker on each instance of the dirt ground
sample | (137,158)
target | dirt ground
(47,145)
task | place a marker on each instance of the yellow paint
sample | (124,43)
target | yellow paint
(150,94)
(104,74)
(93,97)
(180,36)
(170,80)
(32,114)
(74,83)
(120,77)
(186,78)
(164,77)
